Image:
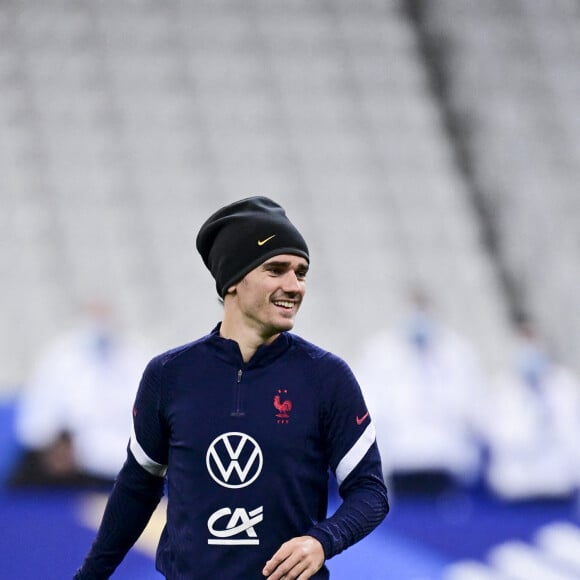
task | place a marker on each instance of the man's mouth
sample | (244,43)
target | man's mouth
(286,304)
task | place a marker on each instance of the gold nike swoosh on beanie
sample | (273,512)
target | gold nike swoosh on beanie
(266,240)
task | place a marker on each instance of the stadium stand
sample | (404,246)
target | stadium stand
(509,72)
(124,123)
(416,142)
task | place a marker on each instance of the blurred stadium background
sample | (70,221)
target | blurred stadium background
(424,141)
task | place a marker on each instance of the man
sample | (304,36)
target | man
(423,382)
(72,419)
(245,424)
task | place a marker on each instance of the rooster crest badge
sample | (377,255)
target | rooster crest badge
(283,407)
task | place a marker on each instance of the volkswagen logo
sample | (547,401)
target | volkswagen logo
(234,460)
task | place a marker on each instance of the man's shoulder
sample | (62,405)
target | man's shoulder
(177,353)
(314,351)
(307,348)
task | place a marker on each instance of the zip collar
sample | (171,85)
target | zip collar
(229,350)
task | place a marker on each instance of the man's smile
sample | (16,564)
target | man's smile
(287,304)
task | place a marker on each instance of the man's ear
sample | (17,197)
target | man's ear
(232,289)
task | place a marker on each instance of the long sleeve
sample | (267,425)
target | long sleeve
(364,506)
(353,457)
(139,485)
(135,496)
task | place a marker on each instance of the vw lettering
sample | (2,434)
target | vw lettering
(234,460)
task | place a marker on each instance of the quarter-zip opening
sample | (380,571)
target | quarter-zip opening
(238,407)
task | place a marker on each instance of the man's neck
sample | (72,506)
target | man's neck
(249,339)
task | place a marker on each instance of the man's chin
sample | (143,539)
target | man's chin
(285,325)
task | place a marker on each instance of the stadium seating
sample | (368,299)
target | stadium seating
(126,122)
(510,71)
(402,136)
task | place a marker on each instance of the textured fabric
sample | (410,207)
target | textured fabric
(135,496)
(248,449)
(241,236)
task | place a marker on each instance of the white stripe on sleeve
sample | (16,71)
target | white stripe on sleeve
(355,454)
(143,459)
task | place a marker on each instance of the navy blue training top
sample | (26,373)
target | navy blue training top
(246,449)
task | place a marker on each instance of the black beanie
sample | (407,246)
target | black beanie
(239,237)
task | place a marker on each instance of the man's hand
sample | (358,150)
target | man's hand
(297,559)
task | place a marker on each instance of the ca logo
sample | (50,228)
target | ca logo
(239,522)
(234,460)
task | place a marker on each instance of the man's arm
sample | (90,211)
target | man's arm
(356,462)
(354,459)
(139,485)
(135,496)
(363,508)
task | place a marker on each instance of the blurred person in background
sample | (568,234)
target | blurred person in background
(72,419)
(424,384)
(244,425)
(534,424)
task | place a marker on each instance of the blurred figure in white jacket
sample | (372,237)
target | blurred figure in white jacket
(423,384)
(534,424)
(72,419)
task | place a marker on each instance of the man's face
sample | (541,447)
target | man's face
(270,295)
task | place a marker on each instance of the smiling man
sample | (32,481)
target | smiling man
(244,425)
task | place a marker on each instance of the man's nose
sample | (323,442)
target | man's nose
(292,283)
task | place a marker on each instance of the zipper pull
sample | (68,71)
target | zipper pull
(238,410)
